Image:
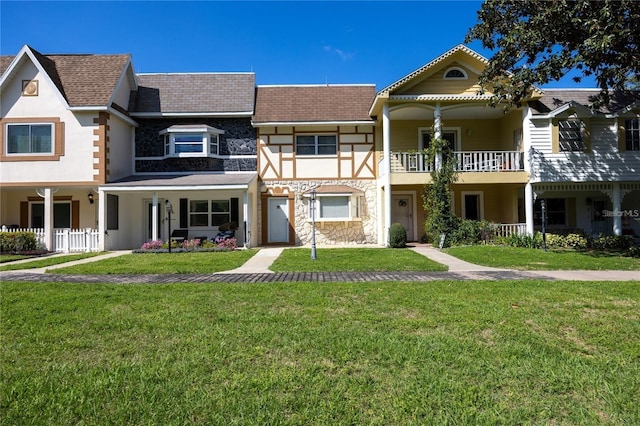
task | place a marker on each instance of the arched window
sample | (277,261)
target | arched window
(455,73)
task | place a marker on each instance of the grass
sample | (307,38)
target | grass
(507,352)
(11,257)
(163,263)
(42,262)
(533,259)
(353,260)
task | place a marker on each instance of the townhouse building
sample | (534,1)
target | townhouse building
(92,149)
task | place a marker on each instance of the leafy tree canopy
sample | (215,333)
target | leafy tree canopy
(538,41)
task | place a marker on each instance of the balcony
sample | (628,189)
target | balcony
(466,161)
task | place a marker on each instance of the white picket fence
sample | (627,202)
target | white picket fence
(67,240)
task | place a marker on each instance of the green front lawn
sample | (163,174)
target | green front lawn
(534,259)
(42,262)
(11,257)
(508,352)
(353,260)
(163,263)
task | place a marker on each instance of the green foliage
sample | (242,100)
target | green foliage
(611,242)
(570,241)
(539,41)
(397,236)
(438,194)
(524,241)
(467,232)
(18,242)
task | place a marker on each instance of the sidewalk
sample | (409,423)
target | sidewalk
(257,269)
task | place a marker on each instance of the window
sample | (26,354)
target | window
(30,138)
(209,213)
(632,134)
(61,215)
(316,144)
(336,207)
(455,74)
(555,211)
(570,135)
(191,141)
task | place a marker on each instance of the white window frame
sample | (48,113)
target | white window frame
(429,130)
(353,205)
(316,145)
(465,76)
(209,213)
(51,151)
(210,141)
(634,131)
(463,207)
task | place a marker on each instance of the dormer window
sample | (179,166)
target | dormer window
(191,141)
(570,135)
(455,73)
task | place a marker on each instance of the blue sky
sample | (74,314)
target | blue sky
(283,42)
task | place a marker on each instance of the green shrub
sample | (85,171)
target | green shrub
(397,236)
(611,242)
(525,241)
(18,242)
(576,242)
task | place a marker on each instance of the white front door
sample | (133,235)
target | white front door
(278,221)
(148,220)
(402,213)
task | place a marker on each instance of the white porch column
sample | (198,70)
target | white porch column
(48,219)
(386,147)
(528,207)
(102,220)
(245,217)
(616,200)
(154,218)
(437,134)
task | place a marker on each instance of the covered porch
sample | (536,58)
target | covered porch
(135,209)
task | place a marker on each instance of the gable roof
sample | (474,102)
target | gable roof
(194,94)
(83,80)
(313,103)
(425,68)
(556,100)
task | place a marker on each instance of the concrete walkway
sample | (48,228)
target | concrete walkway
(256,269)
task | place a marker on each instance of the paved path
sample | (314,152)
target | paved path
(257,270)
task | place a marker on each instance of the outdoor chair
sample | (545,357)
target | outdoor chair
(179,235)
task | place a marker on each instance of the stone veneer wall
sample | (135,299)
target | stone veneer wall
(363,231)
(239,139)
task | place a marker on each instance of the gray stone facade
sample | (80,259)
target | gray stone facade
(239,139)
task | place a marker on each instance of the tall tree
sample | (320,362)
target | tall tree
(538,41)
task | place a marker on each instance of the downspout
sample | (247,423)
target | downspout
(386,149)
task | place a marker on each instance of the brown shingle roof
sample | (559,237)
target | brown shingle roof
(83,80)
(555,98)
(313,103)
(194,93)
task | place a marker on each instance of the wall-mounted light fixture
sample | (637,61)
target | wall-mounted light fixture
(90,197)
(469,132)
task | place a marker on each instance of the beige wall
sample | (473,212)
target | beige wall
(76,163)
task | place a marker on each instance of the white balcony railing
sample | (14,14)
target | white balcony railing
(466,161)
(67,240)
(507,229)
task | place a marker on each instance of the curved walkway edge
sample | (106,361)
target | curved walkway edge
(256,270)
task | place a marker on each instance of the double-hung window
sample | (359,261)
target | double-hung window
(29,138)
(632,134)
(570,135)
(61,215)
(209,212)
(316,144)
(191,141)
